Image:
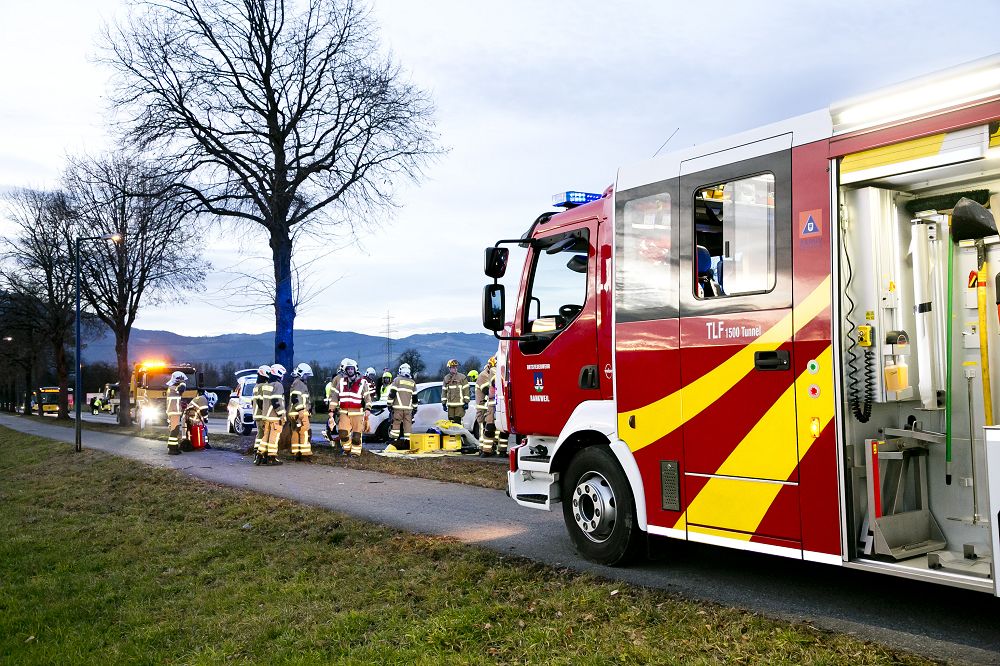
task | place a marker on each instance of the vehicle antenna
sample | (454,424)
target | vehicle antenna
(666,142)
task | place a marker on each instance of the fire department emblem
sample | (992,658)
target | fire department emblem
(539,382)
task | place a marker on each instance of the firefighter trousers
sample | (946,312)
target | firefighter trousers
(259,445)
(488,438)
(402,423)
(173,432)
(349,429)
(456,414)
(273,430)
(301,444)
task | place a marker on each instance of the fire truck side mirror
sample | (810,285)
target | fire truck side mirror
(493,307)
(496,262)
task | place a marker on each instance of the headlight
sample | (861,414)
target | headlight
(150,413)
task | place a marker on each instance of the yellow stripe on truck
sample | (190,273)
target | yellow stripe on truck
(660,418)
(741,504)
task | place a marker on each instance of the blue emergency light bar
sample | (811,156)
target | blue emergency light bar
(572,198)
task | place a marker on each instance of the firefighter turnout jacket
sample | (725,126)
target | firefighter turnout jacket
(455,390)
(350,396)
(274,401)
(197,408)
(299,399)
(400,394)
(485,401)
(173,401)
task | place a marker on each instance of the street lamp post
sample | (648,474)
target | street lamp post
(114,238)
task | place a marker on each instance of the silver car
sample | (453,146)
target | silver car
(240,416)
(429,411)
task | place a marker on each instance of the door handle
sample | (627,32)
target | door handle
(588,377)
(772,360)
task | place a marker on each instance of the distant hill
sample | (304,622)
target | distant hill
(327,347)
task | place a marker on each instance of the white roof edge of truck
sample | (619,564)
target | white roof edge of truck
(967,83)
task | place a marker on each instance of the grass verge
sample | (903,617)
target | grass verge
(105,561)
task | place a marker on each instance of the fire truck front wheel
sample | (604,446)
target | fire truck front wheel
(599,508)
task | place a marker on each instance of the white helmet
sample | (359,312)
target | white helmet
(176,378)
(264,370)
(212,399)
(404,370)
(302,370)
(278,371)
(349,363)
(370,371)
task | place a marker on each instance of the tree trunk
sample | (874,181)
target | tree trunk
(62,375)
(124,376)
(27,388)
(284,304)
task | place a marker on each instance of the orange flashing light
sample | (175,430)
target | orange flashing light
(146,365)
(814,427)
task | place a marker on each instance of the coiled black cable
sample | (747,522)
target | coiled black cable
(859,401)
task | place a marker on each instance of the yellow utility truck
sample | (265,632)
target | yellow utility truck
(148,389)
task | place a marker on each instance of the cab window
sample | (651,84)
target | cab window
(646,283)
(558,287)
(734,251)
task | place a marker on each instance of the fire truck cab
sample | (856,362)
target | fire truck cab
(774,342)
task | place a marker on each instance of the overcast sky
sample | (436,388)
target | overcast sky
(532,97)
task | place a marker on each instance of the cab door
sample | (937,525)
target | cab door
(736,329)
(557,367)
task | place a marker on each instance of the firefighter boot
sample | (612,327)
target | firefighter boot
(273,460)
(172,448)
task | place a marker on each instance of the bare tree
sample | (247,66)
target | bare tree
(38,269)
(157,259)
(412,356)
(22,346)
(277,118)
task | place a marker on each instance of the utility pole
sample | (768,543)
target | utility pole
(389,330)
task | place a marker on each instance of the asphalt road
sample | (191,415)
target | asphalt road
(217,423)
(932,620)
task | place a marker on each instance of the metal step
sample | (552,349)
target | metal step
(541,459)
(533,498)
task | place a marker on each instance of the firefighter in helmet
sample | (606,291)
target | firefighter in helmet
(486,408)
(331,421)
(401,396)
(455,393)
(299,408)
(176,386)
(257,403)
(384,384)
(273,395)
(351,407)
(196,412)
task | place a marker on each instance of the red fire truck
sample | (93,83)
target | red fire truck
(774,342)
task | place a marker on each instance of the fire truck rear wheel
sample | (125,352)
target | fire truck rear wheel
(599,508)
